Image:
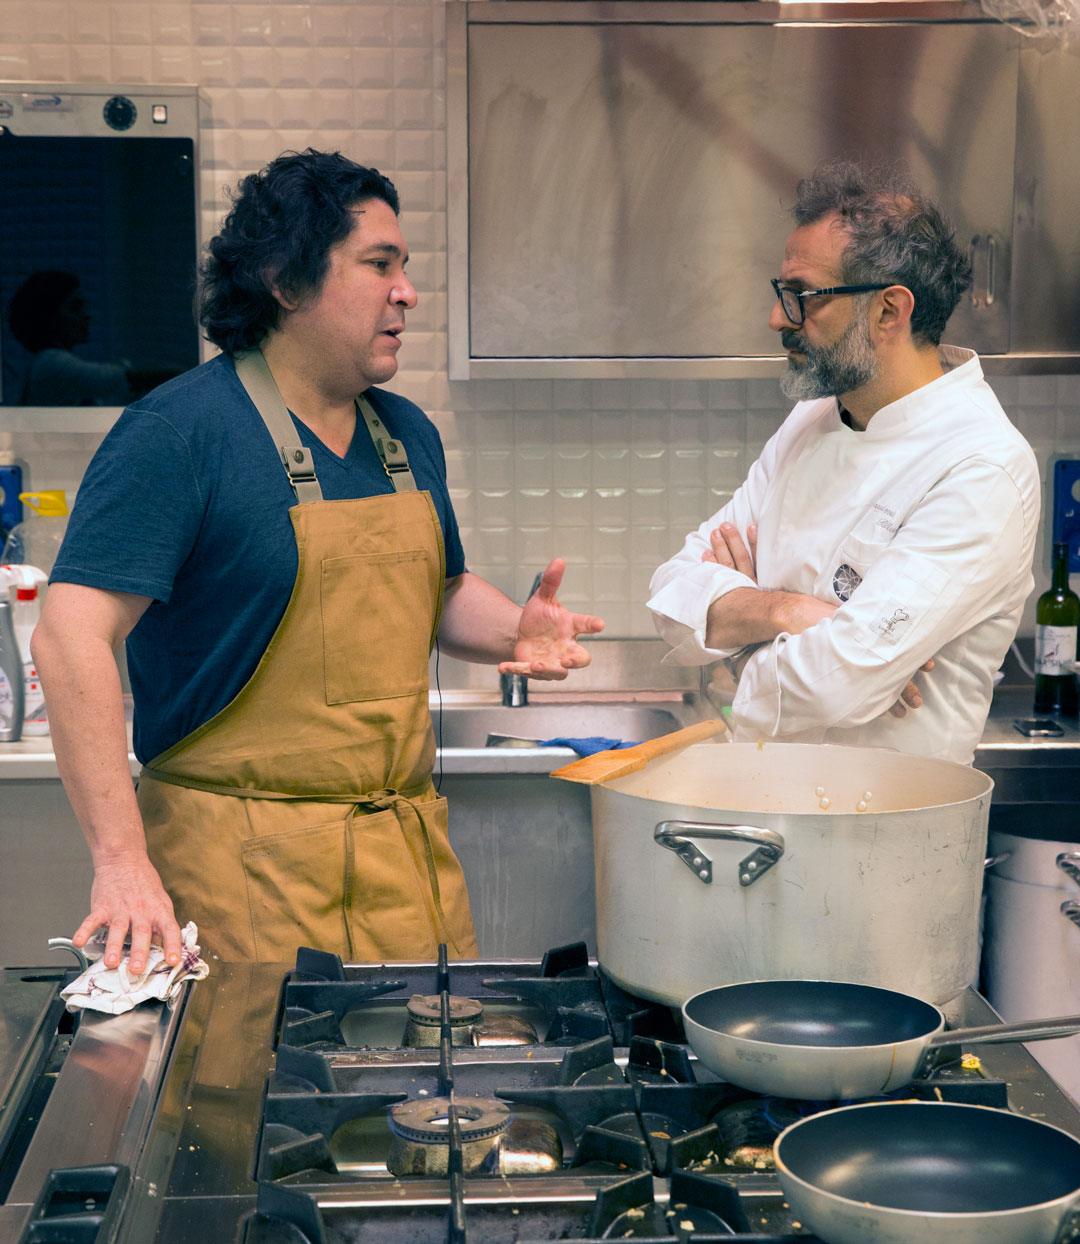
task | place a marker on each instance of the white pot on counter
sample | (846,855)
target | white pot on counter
(844,863)
(1032,944)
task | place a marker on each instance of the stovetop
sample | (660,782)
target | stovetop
(462,1102)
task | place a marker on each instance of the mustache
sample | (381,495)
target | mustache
(793,341)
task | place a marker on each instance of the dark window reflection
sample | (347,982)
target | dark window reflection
(97,268)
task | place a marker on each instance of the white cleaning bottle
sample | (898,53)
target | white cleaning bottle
(24,616)
(25,611)
(11,678)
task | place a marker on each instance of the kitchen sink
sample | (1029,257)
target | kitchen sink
(494,725)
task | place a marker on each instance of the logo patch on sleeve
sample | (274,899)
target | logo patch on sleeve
(891,626)
(845,580)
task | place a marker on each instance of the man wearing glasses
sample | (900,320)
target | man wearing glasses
(877,557)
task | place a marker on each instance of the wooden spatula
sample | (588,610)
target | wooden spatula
(603,766)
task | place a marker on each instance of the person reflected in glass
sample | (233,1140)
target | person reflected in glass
(49,318)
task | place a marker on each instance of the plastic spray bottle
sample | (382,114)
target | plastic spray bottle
(12,697)
(21,584)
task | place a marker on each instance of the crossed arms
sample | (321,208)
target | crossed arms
(959,558)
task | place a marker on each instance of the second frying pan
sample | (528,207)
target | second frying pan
(830,1040)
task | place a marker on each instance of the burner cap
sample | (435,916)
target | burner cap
(427,1121)
(427,1009)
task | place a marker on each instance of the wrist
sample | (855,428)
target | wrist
(113,855)
(736,663)
(779,611)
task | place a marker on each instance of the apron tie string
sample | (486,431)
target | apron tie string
(386,799)
(383,800)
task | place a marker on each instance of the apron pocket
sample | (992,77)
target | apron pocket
(296,890)
(385,655)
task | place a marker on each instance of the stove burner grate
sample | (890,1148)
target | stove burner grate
(628,1135)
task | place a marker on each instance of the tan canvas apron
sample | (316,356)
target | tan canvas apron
(303,813)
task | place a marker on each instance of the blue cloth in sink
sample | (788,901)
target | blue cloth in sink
(590,746)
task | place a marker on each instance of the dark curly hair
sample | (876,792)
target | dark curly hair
(283,223)
(898,235)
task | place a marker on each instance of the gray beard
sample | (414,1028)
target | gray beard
(828,371)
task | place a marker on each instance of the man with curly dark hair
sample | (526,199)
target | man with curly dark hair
(273,537)
(878,555)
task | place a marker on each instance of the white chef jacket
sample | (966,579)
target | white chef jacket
(921,528)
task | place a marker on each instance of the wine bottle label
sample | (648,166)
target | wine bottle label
(1055,648)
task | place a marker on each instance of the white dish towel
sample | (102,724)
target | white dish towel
(115,990)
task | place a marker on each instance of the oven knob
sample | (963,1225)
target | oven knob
(120,113)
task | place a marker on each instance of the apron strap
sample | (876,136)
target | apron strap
(296,458)
(391,453)
(255,376)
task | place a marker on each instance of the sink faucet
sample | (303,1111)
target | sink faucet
(515,687)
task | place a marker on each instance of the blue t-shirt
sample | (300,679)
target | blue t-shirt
(187,502)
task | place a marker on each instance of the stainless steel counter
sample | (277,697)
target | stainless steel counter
(525,842)
(1026,771)
(1001,747)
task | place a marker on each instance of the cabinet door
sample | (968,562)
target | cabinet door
(629,182)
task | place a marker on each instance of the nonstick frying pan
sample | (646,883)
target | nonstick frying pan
(911,1172)
(830,1040)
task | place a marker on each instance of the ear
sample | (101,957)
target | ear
(270,276)
(286,303)
(894,311)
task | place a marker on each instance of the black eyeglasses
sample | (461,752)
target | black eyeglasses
(791,300)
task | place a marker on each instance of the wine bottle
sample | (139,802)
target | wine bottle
(1057,616)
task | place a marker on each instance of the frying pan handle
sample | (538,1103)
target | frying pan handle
(1026,1030)
(769,847)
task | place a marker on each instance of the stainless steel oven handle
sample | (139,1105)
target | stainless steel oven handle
(65,943)
(769,847)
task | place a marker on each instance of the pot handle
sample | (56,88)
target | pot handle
(770,847)
(1069,863)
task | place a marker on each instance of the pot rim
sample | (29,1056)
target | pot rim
(982,784)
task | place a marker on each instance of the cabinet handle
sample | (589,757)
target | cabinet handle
(983,296)
(1071,911)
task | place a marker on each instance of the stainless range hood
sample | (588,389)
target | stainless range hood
(619,173)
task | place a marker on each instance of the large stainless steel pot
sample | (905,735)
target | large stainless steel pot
(742,861)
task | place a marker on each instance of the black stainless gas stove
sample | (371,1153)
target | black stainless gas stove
(429,1103)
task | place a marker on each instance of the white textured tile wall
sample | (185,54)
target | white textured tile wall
(608,474)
